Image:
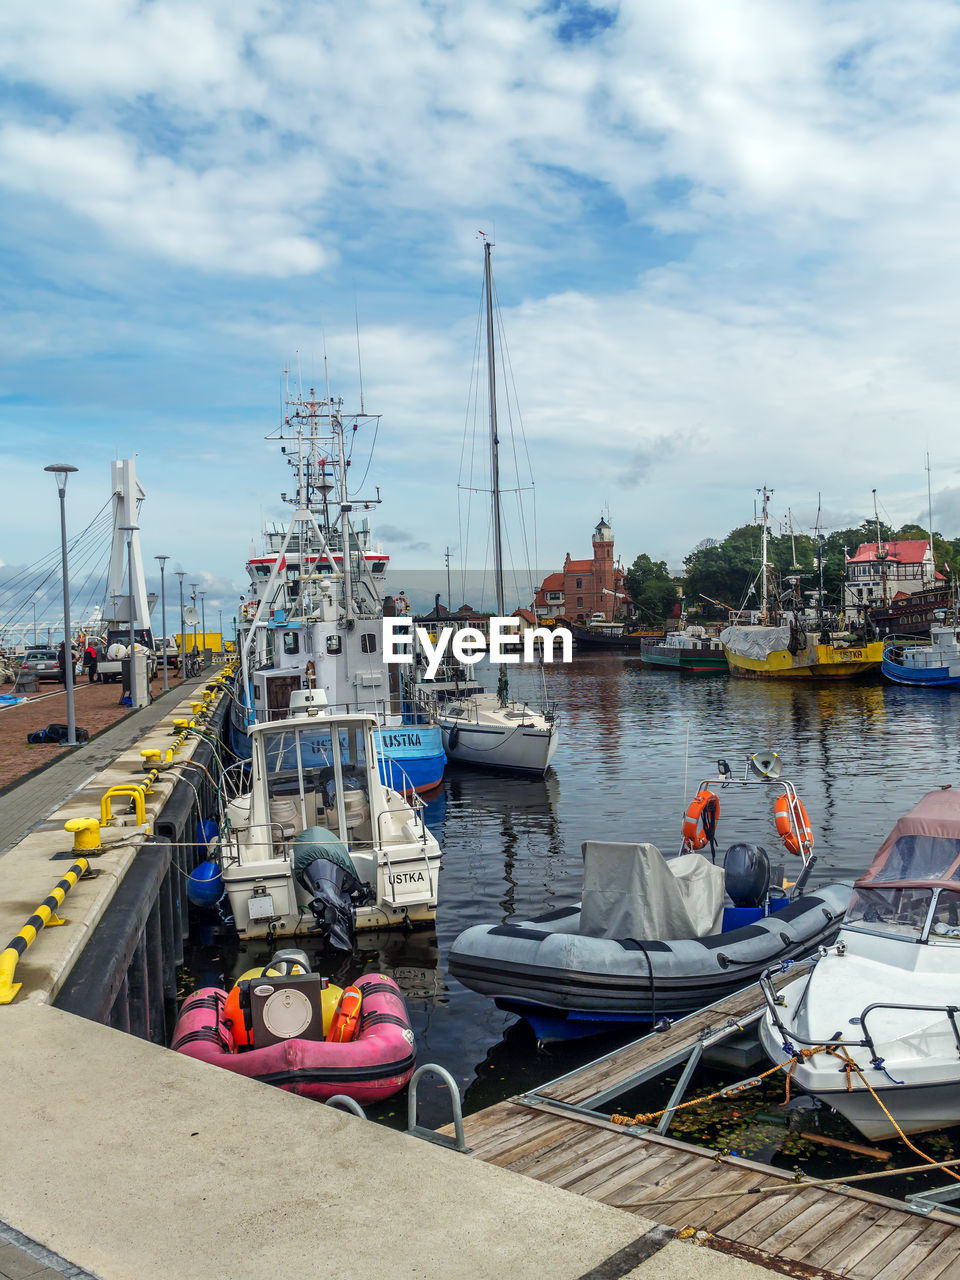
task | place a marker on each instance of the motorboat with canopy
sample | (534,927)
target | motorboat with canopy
(320,843)
(657,936)
(876,1019)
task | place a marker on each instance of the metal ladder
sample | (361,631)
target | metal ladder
(416,1130)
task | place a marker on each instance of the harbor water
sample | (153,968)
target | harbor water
(635,743)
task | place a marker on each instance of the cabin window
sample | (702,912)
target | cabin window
(334,644)
(921,858)
(291,642)
(368,642)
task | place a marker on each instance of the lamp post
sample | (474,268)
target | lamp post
(203,621)
(193,597)
(62,470)
(181,574)
(130,530)
(163,617)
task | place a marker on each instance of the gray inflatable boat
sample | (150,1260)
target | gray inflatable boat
(651,937)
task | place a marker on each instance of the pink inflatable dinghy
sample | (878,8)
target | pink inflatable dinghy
(374,1065)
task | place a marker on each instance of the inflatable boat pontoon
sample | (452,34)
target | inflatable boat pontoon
(654,936)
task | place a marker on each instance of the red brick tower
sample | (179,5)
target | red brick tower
(604,572)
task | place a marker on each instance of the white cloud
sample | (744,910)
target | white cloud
(215,220)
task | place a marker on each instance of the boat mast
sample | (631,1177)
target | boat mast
(764,615)
(933,580)
(881,551)
(494,441)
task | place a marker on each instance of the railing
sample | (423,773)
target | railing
(773,1001)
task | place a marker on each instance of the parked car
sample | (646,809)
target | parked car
(41,663)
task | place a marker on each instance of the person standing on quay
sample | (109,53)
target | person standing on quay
(90,661)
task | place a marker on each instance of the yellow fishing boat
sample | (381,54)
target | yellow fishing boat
(773,653)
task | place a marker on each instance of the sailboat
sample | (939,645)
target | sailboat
(778,646)
(490,729)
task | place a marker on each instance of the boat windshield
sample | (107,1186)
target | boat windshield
(904,911)
(921,858)
(287,751)
(900,911)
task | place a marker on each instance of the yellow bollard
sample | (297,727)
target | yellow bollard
(85,832)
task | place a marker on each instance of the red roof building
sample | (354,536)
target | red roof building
(898,568)
(584,589)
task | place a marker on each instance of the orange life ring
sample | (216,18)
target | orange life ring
(346,1020)
(793,824)
(694,836)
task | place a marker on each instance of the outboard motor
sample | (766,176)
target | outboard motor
(322,865)
(746,868)
(289,960)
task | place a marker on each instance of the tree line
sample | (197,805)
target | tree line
(723,571)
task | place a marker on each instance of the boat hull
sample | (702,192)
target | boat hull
(375,1065)
(815,662)
(519,748)
(928,678)
(699,660)
(567,984)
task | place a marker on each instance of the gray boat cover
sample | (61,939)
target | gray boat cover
(755,642)
(633,891)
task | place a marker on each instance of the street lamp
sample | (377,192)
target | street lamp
(203,621)
(163,617)
(193,597)
(62,471)
(181,574)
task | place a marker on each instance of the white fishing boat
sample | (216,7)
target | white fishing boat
(491,729)
(320,843)
(314,615)
(875,1021)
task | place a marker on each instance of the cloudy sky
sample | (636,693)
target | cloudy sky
(725,257)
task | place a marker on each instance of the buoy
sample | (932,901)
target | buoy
(205,884)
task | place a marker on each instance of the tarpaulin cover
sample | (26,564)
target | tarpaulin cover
(755,642)
(633,891)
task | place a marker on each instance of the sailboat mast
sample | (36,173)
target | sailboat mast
(494,441)
(764,616)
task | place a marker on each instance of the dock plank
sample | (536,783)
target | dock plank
(906,1262)
(935,1264)
(838,1241)
(841,1210)
(884,1251)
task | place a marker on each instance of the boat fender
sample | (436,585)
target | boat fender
(702,813)
(346,1021)
(453,737)
(793,824)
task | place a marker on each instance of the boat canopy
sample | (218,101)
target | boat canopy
(923,848)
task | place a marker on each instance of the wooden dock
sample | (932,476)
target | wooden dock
(555,1135)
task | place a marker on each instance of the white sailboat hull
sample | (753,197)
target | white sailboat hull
(500,738)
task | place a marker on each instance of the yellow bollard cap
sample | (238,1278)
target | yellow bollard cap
(151,755)
(85,832)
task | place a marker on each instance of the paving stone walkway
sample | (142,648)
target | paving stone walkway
(23,1259)
(28,803)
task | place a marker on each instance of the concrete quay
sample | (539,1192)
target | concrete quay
(135,1163)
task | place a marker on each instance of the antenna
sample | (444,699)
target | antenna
(356,316)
